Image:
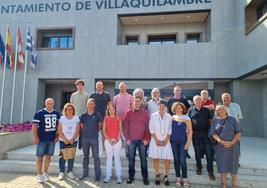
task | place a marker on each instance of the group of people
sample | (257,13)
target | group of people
(159,129)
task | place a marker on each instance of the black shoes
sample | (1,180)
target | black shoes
(146,182)
(129,180)
(166,181)
(212,177)
(199,171)
(157,181)
(83,176)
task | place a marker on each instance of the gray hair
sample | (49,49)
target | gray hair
(220,106)
(195,97)
(155,89)
(139,90)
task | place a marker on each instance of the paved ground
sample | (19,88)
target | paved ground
(29,181)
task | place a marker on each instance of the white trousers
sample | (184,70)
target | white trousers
(113,151)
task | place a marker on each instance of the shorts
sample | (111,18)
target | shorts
(45,148)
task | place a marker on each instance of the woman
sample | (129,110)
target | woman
(68,130)
(226,131)
(112,129)
(180,140)
(160,148)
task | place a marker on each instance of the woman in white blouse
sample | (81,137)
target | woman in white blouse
(68,130)
(160,148)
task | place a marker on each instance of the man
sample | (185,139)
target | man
(201,121)
(154,101)
(102,100)
(206,102)
(234,108)
(44,130)
(79,99)
(177,98)
(90,124)
(122,101)
(136,132)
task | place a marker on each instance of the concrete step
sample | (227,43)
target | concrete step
(244,169)
(245,181)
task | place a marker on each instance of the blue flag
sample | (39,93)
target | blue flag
(30,48)
(2,49)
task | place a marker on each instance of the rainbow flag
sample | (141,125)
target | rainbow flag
(9,50)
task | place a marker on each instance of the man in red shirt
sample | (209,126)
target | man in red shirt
(207,103)
(136,132)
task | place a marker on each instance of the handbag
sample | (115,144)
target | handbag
(212,140)
(68,152)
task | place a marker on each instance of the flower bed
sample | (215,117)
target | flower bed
(15,128)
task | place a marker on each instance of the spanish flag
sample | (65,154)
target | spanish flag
(9,50)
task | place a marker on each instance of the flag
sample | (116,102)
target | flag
(2,49)
(21,54)
(31,48)
(10,59)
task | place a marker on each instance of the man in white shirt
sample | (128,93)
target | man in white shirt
(234,108)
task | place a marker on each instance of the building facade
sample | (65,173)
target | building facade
(218,45)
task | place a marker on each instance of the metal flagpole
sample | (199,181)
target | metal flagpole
(3,81)
(24,76)
(14,79)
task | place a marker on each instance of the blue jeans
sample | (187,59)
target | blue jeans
(45,148)
(142,149)
(179,156)
(86,145)
(62,161)
(202,145)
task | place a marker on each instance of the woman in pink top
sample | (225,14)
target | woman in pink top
(112,129)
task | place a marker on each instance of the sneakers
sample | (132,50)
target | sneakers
(130,181)
(178,182)
(45,177)
(119,180)
(106,179)
(145,181)
(70,175)
(40,178)
(61,176)
(185,182)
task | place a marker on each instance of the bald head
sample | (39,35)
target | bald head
(226,98)
(49,104)
(177,91)
(122,87)
(99,86)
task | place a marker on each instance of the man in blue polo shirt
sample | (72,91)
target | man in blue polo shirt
(90,124)
(45,136)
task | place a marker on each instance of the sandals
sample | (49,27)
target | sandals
(185,182)
(223,185)
(166,181)
(157,181)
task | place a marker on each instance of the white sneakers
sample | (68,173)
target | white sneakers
(69,175)
(119,180)
(45,177)
(106,179)
(61,176)
(42,178)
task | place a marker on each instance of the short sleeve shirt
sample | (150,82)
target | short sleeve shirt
(47,124)
(69,126)
(200,118)
(101,101)
(90,125)
(79,100)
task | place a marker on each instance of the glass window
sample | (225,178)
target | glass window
(162,39)
(193,38)
(58,38)
(261,10)
(132,40)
